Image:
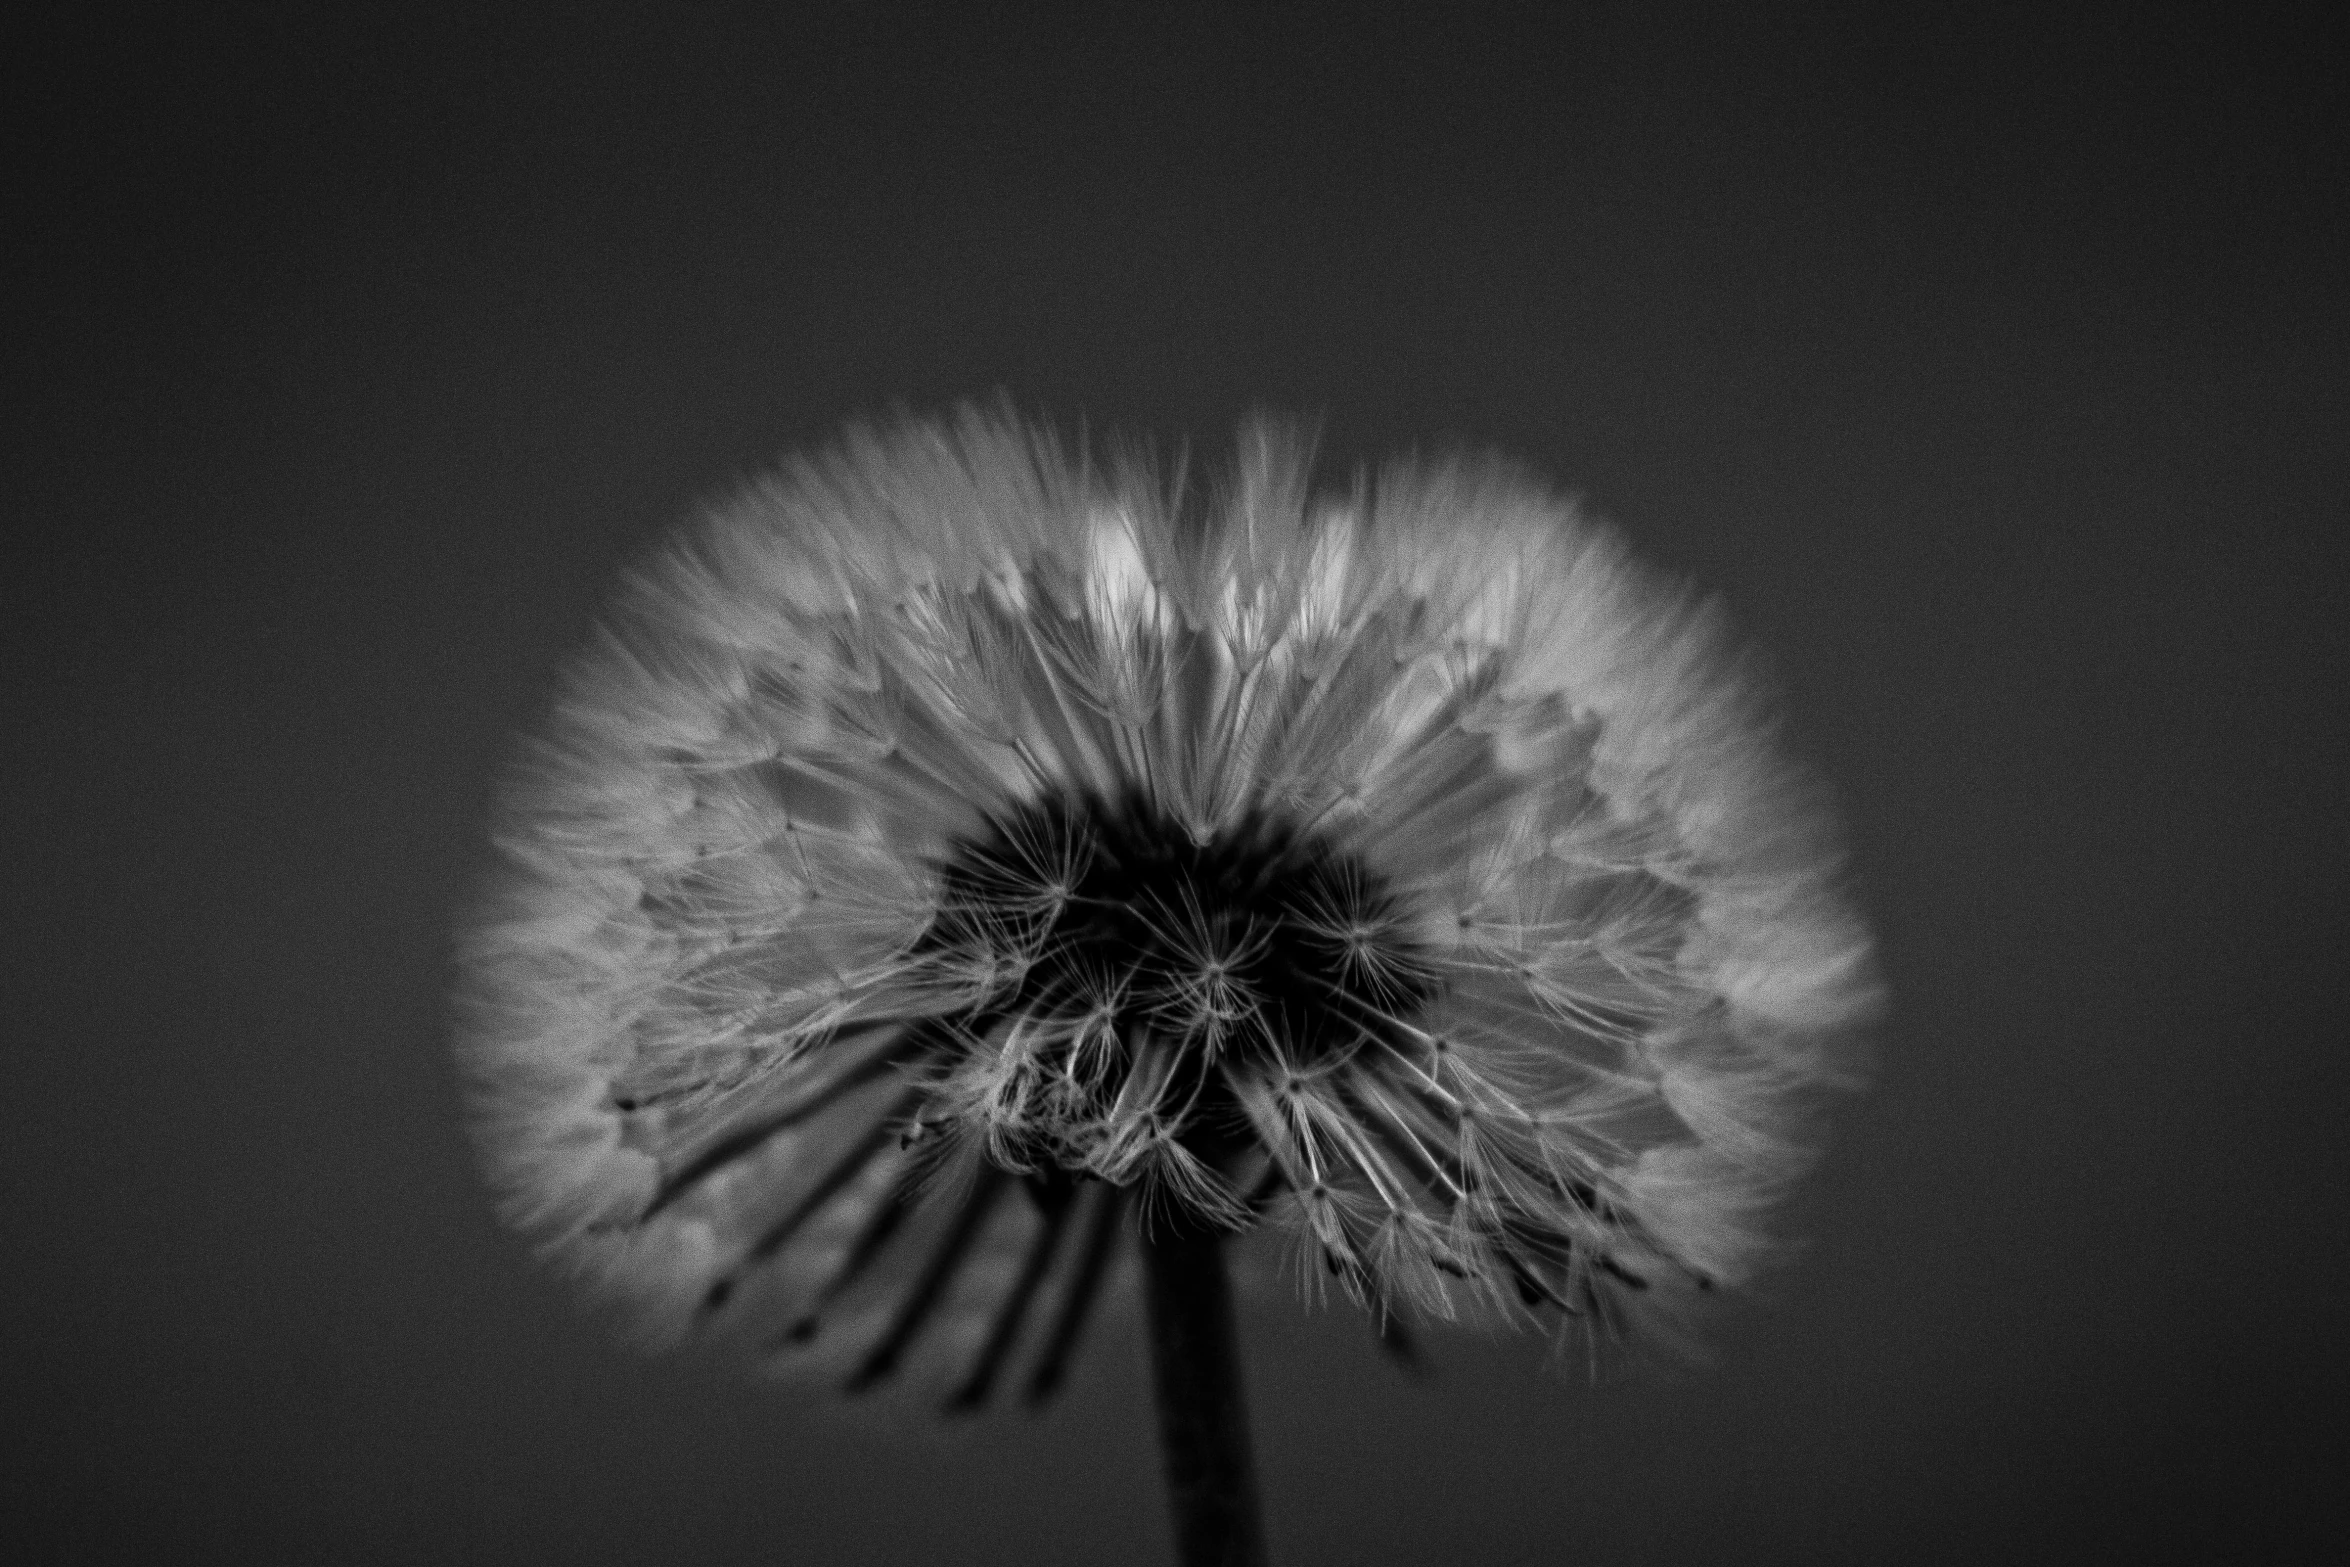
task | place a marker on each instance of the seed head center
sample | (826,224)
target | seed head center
(1259,945)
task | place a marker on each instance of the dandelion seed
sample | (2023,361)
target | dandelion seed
(955,851)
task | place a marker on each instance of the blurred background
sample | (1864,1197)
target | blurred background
(1991,367)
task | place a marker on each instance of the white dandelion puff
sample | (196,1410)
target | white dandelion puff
(954,850)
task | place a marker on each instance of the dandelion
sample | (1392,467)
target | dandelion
(958,861)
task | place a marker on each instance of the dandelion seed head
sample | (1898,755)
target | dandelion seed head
(954,849)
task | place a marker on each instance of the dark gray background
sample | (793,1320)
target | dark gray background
(1992,368)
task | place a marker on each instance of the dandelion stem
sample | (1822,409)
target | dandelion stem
(1203,1423)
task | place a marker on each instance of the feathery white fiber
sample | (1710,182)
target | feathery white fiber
(953,851)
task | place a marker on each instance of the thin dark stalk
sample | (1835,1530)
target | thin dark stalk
(1203,1421)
